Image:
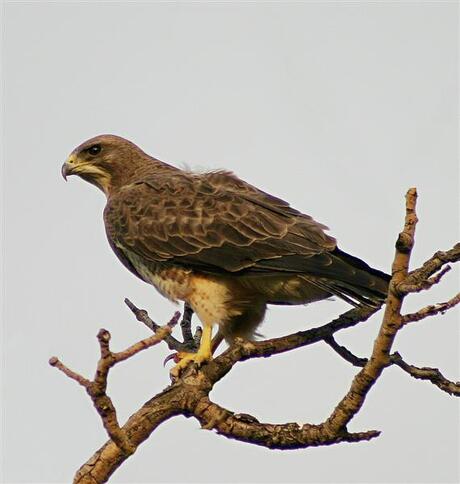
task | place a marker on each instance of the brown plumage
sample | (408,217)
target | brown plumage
(213,240)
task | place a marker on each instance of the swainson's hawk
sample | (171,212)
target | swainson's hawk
(225,247)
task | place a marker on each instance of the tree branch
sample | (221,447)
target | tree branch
(190,343)
(431,374)
(137,429)
(345,353)
(96,389)
(420,279)
(432,310)
(274,436)
(380,358)
(189,394)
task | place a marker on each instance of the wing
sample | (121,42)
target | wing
(214,223)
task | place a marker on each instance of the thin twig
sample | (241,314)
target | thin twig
(431,374)
(345,353)
(143,344)
(416,279)
(432,310)
(96,389)
(188,345)
(422,285)
(54,361)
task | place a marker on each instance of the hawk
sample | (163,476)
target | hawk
(216,242)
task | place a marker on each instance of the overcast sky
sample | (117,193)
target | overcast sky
(338,108)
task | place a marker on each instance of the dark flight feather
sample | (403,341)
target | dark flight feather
(218,224)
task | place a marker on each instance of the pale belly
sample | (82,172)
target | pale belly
(225,301)
(209,297)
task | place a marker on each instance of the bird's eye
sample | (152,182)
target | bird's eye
(94,150)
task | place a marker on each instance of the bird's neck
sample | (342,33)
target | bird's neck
(137,169)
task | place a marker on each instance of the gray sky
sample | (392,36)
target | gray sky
(338,108)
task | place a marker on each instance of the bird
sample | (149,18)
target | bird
(216,242)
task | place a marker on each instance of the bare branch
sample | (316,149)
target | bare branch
(159,336)
(431,310)
(137,429)
(142,316)
(431,374)
(54,361)
(420,279)
(380,358)
(242,350)
(274,436)
(96,389)
(422,285)
(189,394)
(345,353)
(185,395)
(190,343)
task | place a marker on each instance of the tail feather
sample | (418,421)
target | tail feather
(337,273)
(369,282)
(354,295)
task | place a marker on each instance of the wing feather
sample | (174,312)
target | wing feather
(214,222)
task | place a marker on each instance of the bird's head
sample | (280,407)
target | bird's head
(102,160)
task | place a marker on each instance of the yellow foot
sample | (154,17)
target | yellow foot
(186,358)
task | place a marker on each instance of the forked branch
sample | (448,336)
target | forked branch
(432,375)
(189,394)
(97,387)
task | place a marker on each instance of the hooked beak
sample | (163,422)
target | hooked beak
(89,171)
(68,167)
(66,170)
